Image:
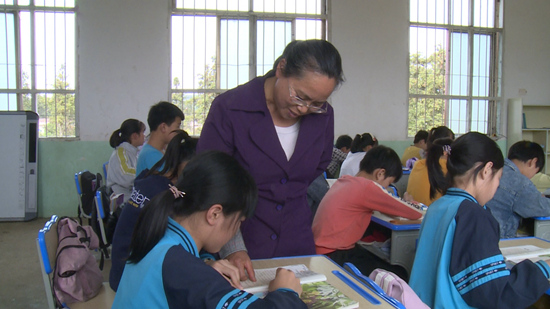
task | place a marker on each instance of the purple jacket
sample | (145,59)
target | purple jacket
(239,123)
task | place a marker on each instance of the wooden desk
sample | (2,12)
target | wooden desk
(322,264)
(403,241)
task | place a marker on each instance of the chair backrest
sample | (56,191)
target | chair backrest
(100,215)
(105,166)
(46,244)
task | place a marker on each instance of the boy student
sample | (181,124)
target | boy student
(516,196)
(339,154)
(345,212)
(418,149)
(163,119)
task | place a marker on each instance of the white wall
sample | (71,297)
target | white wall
(526,63)
(124,64)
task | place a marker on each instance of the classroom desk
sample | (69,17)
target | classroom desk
(403,241)
(322,264)
(542,227)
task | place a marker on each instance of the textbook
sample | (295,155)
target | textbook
(322,295)
(265,275)
(517,254)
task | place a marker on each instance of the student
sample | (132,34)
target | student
(418,149)
(458,263)
(345,212)
(418,184)
(339,154)
(148,184)
(163,119)
(516,196)
(280,127)
(202,211)
(121,170)
(360,145)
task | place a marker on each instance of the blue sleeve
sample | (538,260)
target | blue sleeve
(190,283)
(530,202)
(478,269)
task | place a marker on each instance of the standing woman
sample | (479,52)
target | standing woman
(121,171)
(280,128)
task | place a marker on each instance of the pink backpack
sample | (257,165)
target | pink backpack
(397,288)
(77,276)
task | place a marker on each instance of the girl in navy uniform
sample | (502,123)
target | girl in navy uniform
(458,263)
(201,212)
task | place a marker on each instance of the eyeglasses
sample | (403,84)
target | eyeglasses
(318,108)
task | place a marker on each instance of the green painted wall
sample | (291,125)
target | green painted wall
(58,161)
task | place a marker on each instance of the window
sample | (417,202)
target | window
(219,44)
(454,65)
(37,65)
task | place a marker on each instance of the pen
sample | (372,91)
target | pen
(369,283)
(356,288)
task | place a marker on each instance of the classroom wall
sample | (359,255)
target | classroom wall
(123,62)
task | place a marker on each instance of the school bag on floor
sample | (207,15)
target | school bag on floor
(77,276)
(397,288)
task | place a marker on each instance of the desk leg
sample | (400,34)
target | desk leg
(403,248)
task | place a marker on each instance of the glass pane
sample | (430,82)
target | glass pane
(484,13)
(57,115)
(8,102)
(481,69)
(193,51)
(273,36)
(309,29)
(8,75)
(460,11)
(223,5)
(26,64)
(55,50)
(480,114)
(288,6)
(458,116)
(458,84)
(429,11)
(56,3)
(234,53)
(427,61)
(425,113)
(195,107)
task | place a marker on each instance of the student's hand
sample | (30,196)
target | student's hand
(285,279)
(408,198)
(242,261)
(228,271)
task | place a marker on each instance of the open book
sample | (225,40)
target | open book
(265,275)
(517,254)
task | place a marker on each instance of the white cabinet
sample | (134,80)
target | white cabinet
(537,128)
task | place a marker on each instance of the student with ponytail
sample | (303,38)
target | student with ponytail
(121,170)
(359,146)
(148,184)
(458,263)
(201,212)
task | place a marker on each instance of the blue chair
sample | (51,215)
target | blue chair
(46,244)
(105,166)
(100,217)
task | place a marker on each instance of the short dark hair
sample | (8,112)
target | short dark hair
(421,135)
(525,151)
(318,56)
(343,141)
(163,112)
(382,157)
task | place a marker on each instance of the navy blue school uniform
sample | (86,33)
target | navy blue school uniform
(172,275)
(145,188)
(458,263)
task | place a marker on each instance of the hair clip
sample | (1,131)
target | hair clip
(177,193)
(447,150)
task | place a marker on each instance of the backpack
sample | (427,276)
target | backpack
(77,276)
(397,288)
(89,183)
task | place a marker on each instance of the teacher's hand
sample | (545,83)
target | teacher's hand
(242,261)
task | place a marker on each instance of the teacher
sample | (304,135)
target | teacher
(280,127)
